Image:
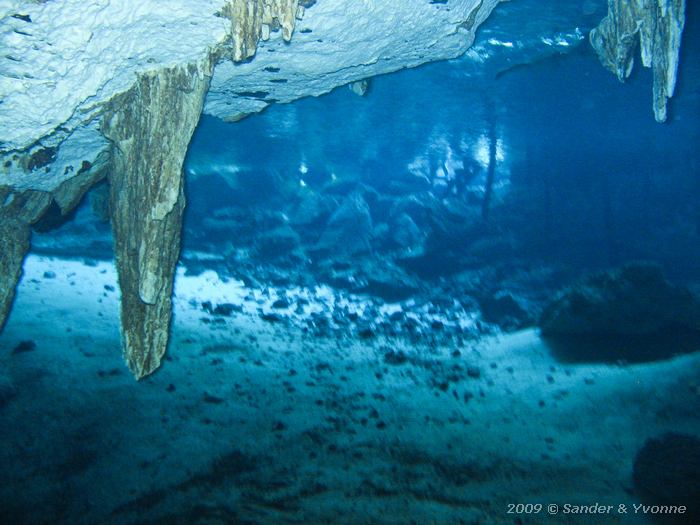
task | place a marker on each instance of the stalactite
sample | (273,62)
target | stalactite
(360,87)
(253,20)
(69,193)
(150,127)
(17,213)
(655,25)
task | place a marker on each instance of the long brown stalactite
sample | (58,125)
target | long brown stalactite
(150,127)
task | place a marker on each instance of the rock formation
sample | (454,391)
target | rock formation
(80,94)
(253,20)
(17,213)
(631,314)
(656,26)
(21,208)
(633,300)
(667,472)
(360,87)
(150,127)
(89,85)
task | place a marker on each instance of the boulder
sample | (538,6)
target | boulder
(409,183)
(392,285)
(400,234)
(349,229)
(635,300)
(277,242)
(372,276)
(312,209)
(667,472)
(505,310)
(404,233)
(421,208)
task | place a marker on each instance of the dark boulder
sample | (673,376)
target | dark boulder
(404,233)
(395,357)
(278,242)
(349,229)
(226,309)
(373,276)
(312,209)
(421,208)
(667,472)
(281,303)
(272,317)
(505,310)
(633,300)
(24,346)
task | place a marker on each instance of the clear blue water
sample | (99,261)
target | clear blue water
(591,178)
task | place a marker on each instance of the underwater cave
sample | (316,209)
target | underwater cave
(331,262)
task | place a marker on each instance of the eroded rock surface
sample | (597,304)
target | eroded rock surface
(335,42)
(253,20)
(151,126)
(655,26)
(17,213)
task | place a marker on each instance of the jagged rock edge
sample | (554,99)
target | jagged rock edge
(656,27)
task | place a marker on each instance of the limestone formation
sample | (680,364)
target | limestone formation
(360,87)
(17,213)
(150,127)
(253,20)
(20,209)
(656,26)
(71,191)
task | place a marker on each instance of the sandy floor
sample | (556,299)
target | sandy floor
(255,422)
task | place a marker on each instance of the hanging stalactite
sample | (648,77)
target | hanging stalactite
(150,127)
(653,25)
(254,20)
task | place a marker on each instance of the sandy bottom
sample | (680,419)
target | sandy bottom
(255,422)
